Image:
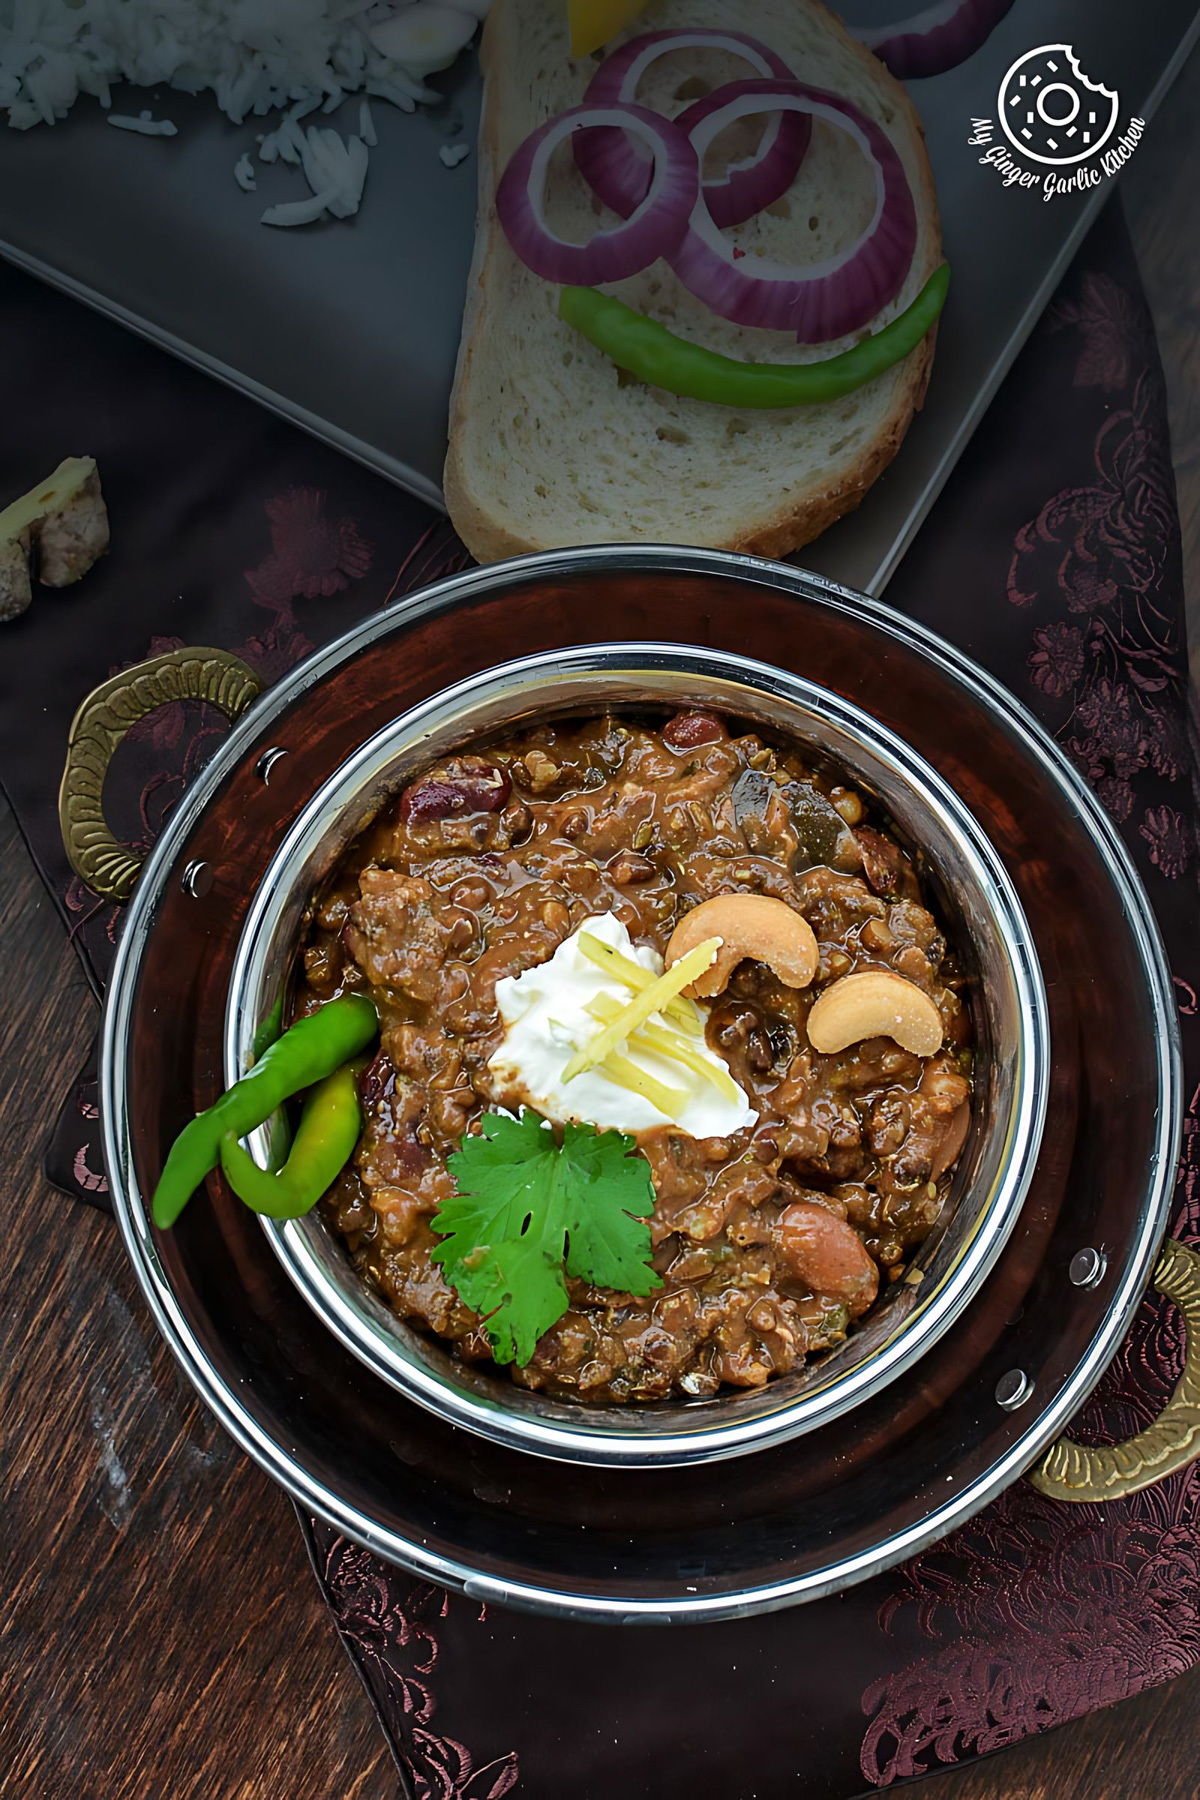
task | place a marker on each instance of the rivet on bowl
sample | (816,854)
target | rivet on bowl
(267,761)
(197,880)
(1088,1268)
(1013,1389)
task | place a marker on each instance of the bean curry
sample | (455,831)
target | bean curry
(769,1243)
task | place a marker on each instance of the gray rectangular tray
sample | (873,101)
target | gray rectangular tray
(350,328)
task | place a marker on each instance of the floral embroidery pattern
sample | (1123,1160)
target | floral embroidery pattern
(1166,832)
(1047,1612)
(95,920)
(311,555)
(89,1181)
(1059,660)
(392,1636)
(1113,537)
(1114,331)
(1114,661)
(1051,1631)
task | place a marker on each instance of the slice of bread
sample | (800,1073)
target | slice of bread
(550,444)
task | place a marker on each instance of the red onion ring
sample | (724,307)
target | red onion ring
(616,172)
(937,39)
(816,301)
(656,228)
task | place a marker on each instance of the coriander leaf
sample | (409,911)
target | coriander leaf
(613,1197)
(521,1201)
(519,1291)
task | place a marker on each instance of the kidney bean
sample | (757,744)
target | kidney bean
(377,1079)
(465,784)
(687,731)
(629,867)
(828,1255)
(887,869)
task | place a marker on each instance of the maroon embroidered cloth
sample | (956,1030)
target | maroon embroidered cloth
(1053,558)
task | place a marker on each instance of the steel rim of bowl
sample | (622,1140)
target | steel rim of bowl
(271,1455)
(602,1436)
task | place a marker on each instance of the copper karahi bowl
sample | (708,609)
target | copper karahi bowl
(1005,996)
(985,1402)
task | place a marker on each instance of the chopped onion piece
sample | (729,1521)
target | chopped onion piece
(616,170)
(816,301)
(657,228)
(937,39)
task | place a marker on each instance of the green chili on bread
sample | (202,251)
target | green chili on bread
(655,355)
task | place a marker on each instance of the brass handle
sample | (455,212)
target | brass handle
(1070,1471)
(109,868)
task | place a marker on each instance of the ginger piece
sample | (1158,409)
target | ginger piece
(15,589)
(57,530)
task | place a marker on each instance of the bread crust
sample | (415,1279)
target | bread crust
(794,522)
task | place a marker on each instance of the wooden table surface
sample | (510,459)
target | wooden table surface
(160,1630)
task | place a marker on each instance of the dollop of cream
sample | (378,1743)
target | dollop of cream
(546,1022)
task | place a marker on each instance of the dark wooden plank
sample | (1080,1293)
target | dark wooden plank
(160,1630)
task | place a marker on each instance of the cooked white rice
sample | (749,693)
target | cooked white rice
(145,124)
(256,57)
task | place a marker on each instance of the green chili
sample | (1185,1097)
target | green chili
(269,1031)
(329,1129)
(306,1053)
(656,356)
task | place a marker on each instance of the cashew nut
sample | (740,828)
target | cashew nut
(748,925)
(875,1003)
